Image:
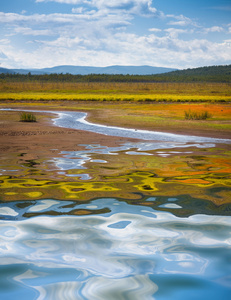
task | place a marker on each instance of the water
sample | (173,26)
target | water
(110,249)
(77,120)
(142,247)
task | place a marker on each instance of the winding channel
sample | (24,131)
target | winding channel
(77,120)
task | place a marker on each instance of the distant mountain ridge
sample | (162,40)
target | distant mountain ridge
(220,73)
(85,70)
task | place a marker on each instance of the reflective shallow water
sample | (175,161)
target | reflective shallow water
(71,160)
(77,120)
(111,249)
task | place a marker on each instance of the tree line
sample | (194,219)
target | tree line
(203,74)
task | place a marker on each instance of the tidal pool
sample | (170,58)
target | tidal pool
(156,237)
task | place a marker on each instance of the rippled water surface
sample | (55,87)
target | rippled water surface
(110,249)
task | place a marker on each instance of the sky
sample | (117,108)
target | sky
(163,33)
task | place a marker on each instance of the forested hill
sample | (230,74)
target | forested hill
(213,74)
(203,74)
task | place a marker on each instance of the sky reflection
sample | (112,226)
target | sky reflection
(122,254)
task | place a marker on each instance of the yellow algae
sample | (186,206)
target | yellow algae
(26,183)
(144,187)
(146,181)
(34,194)
(89,186)
(169,178)
(10,193)
(74,197)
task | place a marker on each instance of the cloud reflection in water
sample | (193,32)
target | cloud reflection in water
(129,252)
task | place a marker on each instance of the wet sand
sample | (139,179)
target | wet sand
(42,138)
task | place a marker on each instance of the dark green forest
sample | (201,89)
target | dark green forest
(203,74)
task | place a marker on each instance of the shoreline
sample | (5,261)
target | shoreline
(43,139)
(44,136)
(94,116)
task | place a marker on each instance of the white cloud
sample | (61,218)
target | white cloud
(63,41)
(181,21)
(78,10)
(173,32)
(227,43)
(154,29)
(13,17)
(139,7)
(143,7)
(58,18)
(122,48)
(213,29)
(4,41)
(30,31)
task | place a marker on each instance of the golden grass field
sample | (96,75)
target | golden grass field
(150,105)
(154,92)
